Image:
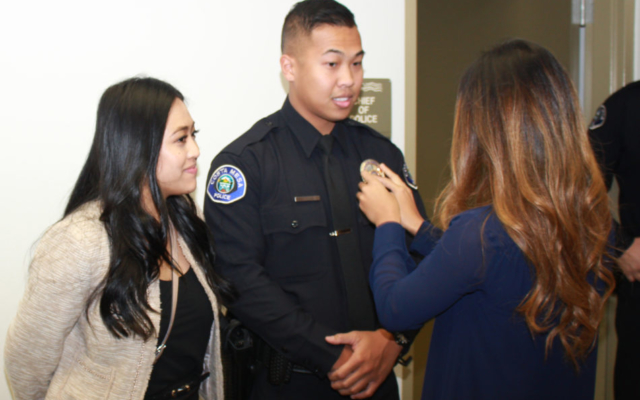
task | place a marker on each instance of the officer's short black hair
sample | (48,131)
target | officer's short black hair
(308,14)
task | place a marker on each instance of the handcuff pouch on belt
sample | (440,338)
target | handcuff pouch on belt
(278,368)
(238,359)
(243,352)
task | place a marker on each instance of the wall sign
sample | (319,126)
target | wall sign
(373,107)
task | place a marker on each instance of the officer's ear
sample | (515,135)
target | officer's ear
(287,65)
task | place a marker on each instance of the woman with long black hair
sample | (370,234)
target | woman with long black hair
(122,299)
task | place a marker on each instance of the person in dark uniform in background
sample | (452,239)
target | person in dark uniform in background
(281,203)
(615,136)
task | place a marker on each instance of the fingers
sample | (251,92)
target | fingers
(342,338)
(629,267)
(370,178)
(354,383)
(369,391)
(629,273)
(635,271)
(376,202)
(629,262)
(372,185)
(359,387)
(392,175)
(345,370)
(374,354)
(387,183)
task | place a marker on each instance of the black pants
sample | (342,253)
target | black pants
(626,382)
(311,387)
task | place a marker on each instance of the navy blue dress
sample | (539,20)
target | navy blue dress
(471,280)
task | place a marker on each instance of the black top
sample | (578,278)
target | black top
(276,250)
(186,345)
(615,135)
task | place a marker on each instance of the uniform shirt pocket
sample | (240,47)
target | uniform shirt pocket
(297,236)
(293,218)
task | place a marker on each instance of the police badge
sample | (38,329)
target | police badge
(372,166)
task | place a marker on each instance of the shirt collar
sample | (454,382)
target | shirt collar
(306,134)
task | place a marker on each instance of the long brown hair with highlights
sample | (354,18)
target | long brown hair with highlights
(520,144)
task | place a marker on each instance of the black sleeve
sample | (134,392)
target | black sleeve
(262,305)
(606,134)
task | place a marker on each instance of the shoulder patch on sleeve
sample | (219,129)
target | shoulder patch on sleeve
(600,118)
(408,178)
(227,184)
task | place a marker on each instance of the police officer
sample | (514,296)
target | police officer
(281,202)
(615,135)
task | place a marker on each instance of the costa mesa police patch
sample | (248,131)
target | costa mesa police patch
(408,178)
(227,184)
(600,118)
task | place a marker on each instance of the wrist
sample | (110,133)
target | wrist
(383,221)
(414,225)
(404,344)
(397,337)
(400,339)
(386,334)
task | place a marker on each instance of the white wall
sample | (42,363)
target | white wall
(57,58)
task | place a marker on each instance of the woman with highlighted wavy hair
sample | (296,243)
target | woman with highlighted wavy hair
(518,277)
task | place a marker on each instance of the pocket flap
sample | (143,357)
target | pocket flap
(293,217)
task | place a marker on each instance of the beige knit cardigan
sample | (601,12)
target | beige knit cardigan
(54,352)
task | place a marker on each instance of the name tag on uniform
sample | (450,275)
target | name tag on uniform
(302,199)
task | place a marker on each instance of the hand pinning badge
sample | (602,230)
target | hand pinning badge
(371,166)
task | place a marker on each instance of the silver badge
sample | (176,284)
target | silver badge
(372,166)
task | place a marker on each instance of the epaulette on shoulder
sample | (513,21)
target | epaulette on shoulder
(366,128)
(253,135)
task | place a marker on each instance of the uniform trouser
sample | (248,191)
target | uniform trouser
(311,387)
(627,367)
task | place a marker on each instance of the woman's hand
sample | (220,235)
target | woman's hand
(376,202)
(410,217)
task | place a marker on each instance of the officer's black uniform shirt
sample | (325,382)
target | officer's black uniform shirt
(615,136)
(277,251)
